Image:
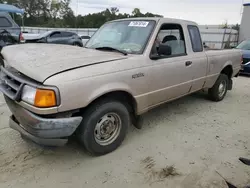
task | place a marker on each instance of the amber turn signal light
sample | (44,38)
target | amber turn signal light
(45,98)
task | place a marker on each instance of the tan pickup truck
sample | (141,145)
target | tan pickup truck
(128,67)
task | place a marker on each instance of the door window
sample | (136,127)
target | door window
(56,35)
(170,35)
(195,37)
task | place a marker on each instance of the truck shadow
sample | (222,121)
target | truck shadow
(245,75)
(186,105)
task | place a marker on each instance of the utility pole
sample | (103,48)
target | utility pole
(77,4)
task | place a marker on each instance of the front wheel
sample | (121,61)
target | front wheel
(104,127)
(219,90)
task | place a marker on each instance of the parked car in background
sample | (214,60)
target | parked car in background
(7,24)
(28,36)
(56,37)
(85,39)
(245,47)
(10,32)
(97,92)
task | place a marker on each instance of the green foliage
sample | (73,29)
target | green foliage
(225,25)
(236,27)
(57,13)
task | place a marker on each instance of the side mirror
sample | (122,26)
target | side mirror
(164,50)
(205,46)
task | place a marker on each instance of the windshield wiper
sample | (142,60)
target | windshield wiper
(111,49)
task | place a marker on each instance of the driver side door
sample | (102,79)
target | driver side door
(171,76)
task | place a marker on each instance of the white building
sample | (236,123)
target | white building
(245,23)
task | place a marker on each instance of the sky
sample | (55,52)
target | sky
(204,12)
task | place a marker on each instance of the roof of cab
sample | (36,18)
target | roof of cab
(157,19)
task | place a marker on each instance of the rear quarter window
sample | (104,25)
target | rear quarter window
(4,22)
(85,37)
(195,38)
(67,34)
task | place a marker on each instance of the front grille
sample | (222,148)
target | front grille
(10,84)
(246,60)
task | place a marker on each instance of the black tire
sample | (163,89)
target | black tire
(86,133)
(214,92)
(1,62)
(77,44)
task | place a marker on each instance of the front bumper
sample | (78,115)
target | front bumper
(44,131)
(245,69)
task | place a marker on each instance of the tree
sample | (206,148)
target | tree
(114,10)
(55,8)
(137,13)
(148,14)
(225,25)
(57,13)
(236,27)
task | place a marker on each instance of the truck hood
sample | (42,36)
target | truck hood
(41,61)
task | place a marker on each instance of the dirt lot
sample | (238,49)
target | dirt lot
(189,143)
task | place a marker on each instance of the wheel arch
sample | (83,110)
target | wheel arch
(77,43)
(228,70)
(121,95)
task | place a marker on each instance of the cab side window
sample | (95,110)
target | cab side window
(171,38)
(195,37)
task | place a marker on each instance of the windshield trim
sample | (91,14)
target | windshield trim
(147,40)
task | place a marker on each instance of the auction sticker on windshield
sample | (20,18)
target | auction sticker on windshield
(138,24)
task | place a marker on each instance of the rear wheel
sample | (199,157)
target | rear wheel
(76,44)
(104,127)
(219,90)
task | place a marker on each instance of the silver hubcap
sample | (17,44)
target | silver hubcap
(107,129)
(222,88)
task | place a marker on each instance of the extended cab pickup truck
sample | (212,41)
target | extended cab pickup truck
(128,67)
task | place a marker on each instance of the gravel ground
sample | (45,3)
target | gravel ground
(188,143)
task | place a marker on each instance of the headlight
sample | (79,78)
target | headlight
(43,98)
(29,94)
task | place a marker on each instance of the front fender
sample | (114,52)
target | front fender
(108,88)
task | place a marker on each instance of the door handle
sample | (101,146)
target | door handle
(188,63)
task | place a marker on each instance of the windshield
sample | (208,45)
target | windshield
(129,36)
(245,45)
